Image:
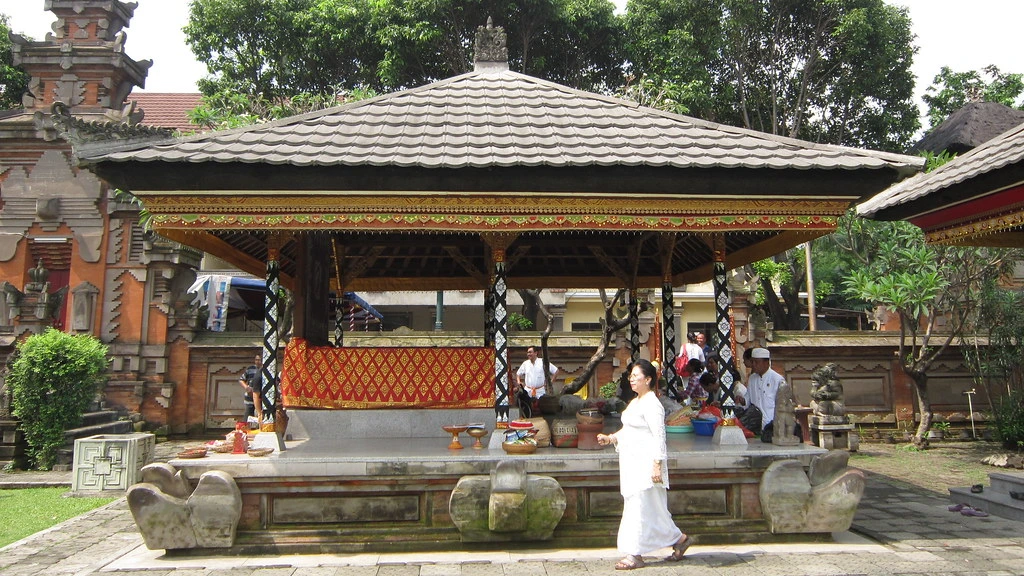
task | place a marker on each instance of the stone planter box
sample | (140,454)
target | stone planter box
(111,461)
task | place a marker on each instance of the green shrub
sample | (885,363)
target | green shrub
(53,379)
(1009,419)
(609,390)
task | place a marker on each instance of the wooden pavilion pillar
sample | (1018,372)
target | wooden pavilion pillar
(499,245)
(634,326)
(666,244)
(723,322)
(270,324)
(313,288)
(489,313)
(339,296)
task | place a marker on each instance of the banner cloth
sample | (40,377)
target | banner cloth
(326,377)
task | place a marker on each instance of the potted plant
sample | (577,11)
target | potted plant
(939,430)
(891,438)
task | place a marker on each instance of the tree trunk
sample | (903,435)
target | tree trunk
(924,406)
(611,325)
(531,305)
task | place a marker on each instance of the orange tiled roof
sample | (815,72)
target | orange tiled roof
(167,109)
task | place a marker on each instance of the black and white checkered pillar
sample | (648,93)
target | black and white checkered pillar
(501,371)
(668,320)
(723,324)
(339,318)
(270,334)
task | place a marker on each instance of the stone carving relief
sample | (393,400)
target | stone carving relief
(507,506)
(490,44)
(52,194)
(84,299)
(171,516)
(822,500)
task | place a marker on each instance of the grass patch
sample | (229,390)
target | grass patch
(26,511)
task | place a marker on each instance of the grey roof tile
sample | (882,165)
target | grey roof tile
(999,152)
(500,119)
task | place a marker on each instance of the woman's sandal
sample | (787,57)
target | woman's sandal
(630,562)
(679,549)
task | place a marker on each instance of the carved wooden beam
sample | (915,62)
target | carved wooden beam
(612,265)
(359,266)
(467,265)
(666,246)
(515,256)
(338,250)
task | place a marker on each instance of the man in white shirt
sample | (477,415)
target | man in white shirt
(763,385)
(530,375)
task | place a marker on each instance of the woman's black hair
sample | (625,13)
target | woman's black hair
(691,337)
(648,370)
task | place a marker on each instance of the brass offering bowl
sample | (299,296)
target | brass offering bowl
(477,432)
(455,430)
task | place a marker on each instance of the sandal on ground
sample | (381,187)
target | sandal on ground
(977,489)
(630,562)
(679,548)
(974,512)
(956,507)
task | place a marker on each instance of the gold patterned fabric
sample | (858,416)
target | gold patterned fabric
(326,377)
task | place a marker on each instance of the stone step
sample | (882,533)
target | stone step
(9,451)
(995,503)
(98,417)
(1004,482)
(114,427)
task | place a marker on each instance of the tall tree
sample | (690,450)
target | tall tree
(275,48)
(13,80)
(950,91)
(831,71)
(834,71)
(934,290)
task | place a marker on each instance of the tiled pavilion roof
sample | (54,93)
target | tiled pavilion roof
(414,187)
(502,119)
(976,198)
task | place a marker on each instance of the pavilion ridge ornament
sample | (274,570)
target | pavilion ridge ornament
(114,135)
(490,44)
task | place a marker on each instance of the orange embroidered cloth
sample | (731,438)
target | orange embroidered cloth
(325,377)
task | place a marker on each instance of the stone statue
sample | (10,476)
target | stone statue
(823,499)
(827,396)
(490,44)
(507,506)
(172,516)
(785,417)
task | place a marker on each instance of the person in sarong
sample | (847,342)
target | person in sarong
(643,475)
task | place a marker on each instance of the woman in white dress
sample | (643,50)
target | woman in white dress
(643,475)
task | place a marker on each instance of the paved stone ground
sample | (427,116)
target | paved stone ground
(909,532)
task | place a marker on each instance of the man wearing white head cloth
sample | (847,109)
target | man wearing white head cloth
(763,385)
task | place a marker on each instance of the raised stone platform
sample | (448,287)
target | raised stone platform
(349,492)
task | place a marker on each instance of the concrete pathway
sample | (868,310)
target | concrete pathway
(898,530)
